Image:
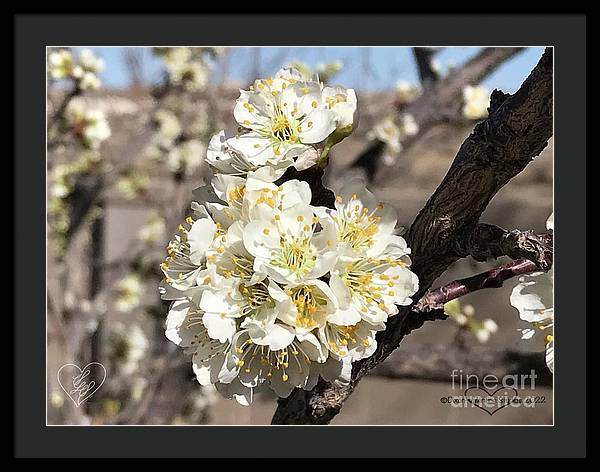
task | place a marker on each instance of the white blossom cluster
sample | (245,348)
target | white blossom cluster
(393,133)
(464,316)
(407,92)
(128,346)
(182,156)
(62,181)
(88,125)
(269,290)
(533,296)
(324,71)
(83,70)
(153,231)
(188,67)
(132,183)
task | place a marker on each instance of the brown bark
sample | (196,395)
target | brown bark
(490,242)
(517,130)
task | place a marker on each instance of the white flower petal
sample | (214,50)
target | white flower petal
(317,126)
(257,149)
(277,338)
(550,356)
(240,393)
(306,159)
(219,326)
(206,366)
(200,236)
(335,370)
(533,297)
(550,222)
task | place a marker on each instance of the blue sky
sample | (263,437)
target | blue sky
(386,65)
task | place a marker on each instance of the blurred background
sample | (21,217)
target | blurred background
(127,135)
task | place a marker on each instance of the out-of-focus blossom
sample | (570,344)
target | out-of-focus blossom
(129,291)
(201,124)
(56,399)
(393,133)
(388,132)
(487,328)
(436,66)
(89,62)
(186,157)
(326,71)
(476,102)
(61,65)
(174,55)
(83,70)
(89,81)
(186,66)
(153,231)
(168,124)
(64,175)
(89,125)
(138,387)
(464,316)
(192,76)
(197,407)
(61,182)
(129,344)
(132,184)
(408,125)
(206,396)
(406,91)
(323,71)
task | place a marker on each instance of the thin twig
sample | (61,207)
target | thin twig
(493,278)
(59,113)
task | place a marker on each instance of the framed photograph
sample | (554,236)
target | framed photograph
(256,241)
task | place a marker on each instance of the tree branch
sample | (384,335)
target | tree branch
(89,189)
(518,129)
(489,242)
(499,148)
(59,113)
(493,278)
(424,57)
(369,158)
(436,363)
(441,102)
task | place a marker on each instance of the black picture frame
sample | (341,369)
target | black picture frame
(566,33)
